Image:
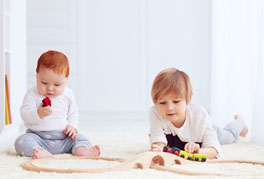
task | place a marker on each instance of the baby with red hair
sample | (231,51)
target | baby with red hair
(52,128)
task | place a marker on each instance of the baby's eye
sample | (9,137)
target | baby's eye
(176,101)
(57,84)
(44,82)
(162,102)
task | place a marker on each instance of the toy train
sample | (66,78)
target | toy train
(185,155)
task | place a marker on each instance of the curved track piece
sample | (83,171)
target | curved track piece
(178,160)
(142,161)
(156,160)
(31,165)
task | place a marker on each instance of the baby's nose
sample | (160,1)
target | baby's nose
(50,88)
(170,106)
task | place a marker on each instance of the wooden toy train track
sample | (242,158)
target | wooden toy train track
(156,160)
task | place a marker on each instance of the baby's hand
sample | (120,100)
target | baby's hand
(44,111)
(192,147)
(70,131)
(156,148)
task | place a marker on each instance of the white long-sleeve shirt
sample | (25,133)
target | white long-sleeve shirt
(64,111)
(196,128)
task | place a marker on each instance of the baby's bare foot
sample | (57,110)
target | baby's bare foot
(41,154)
(244,131)
(93,151)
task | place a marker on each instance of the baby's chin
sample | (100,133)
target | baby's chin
(172,119)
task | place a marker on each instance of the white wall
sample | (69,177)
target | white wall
(117,47)
(18,57)
(237,55)
(17,70)
(51,25)
(179,35)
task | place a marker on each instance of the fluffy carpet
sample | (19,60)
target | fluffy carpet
(126,145)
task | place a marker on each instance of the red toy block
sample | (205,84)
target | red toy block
(46,102)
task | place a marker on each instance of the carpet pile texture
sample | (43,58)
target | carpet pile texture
(126,145)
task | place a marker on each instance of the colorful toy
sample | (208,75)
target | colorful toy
(46,102)
(199,157)
(185,155)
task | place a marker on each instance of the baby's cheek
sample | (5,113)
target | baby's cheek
(42,92)
(60,91)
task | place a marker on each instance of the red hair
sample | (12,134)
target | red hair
(55,61)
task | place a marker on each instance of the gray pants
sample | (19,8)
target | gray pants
(229,134)
(54,142)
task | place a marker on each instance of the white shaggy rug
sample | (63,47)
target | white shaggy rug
(126,145)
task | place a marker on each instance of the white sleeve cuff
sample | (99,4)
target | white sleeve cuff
(158,138)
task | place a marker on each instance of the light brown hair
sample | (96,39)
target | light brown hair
(172,80)
(55,61)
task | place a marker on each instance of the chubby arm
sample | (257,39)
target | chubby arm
(73,112)
(192,147)
(202,126)
(210,144)
(29,109)
(157,137)
(210,152)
